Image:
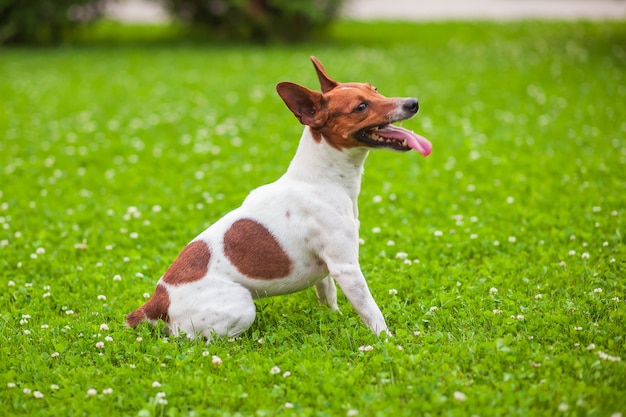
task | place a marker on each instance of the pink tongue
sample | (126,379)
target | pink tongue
(415,141)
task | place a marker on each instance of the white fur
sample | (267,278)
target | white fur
(320,191)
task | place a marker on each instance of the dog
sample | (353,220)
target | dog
(299,231)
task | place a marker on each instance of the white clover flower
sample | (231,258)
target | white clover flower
(288,405)
(607,357)
(216,360)
(107,391)
(91,392)
(156,384)
(438,233)
(37,394)
(393,291)
(585,255)
(100,345)
(104,326)
(401,255)
(434,308)
(286,374)
(597,290)
(275,370)
(54,387)
(366,348)
(493,290)
(459,396)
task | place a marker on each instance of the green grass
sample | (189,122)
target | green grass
(113,156)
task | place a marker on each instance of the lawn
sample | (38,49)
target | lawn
(499,261)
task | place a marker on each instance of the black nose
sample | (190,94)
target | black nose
(411,105)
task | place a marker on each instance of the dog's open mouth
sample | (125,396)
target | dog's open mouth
(394,137)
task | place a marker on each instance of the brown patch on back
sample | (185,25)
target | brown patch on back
(191,265)
(155,309)
(255,252)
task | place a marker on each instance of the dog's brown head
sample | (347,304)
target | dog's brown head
(349,115)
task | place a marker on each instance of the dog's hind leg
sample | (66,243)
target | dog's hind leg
(233,311)
(327,293)
(224,310)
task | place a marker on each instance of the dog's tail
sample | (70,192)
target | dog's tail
(156,308)
(136,317)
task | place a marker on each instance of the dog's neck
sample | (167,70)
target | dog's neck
(318,162)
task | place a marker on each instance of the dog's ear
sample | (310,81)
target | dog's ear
(306,105)
(326,82)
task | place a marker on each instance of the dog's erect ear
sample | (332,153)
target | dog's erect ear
(307,105)
(326,82)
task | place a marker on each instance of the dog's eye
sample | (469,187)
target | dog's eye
(360,108)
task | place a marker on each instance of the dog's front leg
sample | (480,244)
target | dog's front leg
(327,293)
(352,283)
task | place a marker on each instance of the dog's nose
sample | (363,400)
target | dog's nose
(411,105)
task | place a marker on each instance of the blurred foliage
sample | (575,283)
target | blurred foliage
(44,21)
(259,20)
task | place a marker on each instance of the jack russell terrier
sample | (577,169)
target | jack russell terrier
(299,231)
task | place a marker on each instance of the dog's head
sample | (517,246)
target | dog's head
(349,115)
